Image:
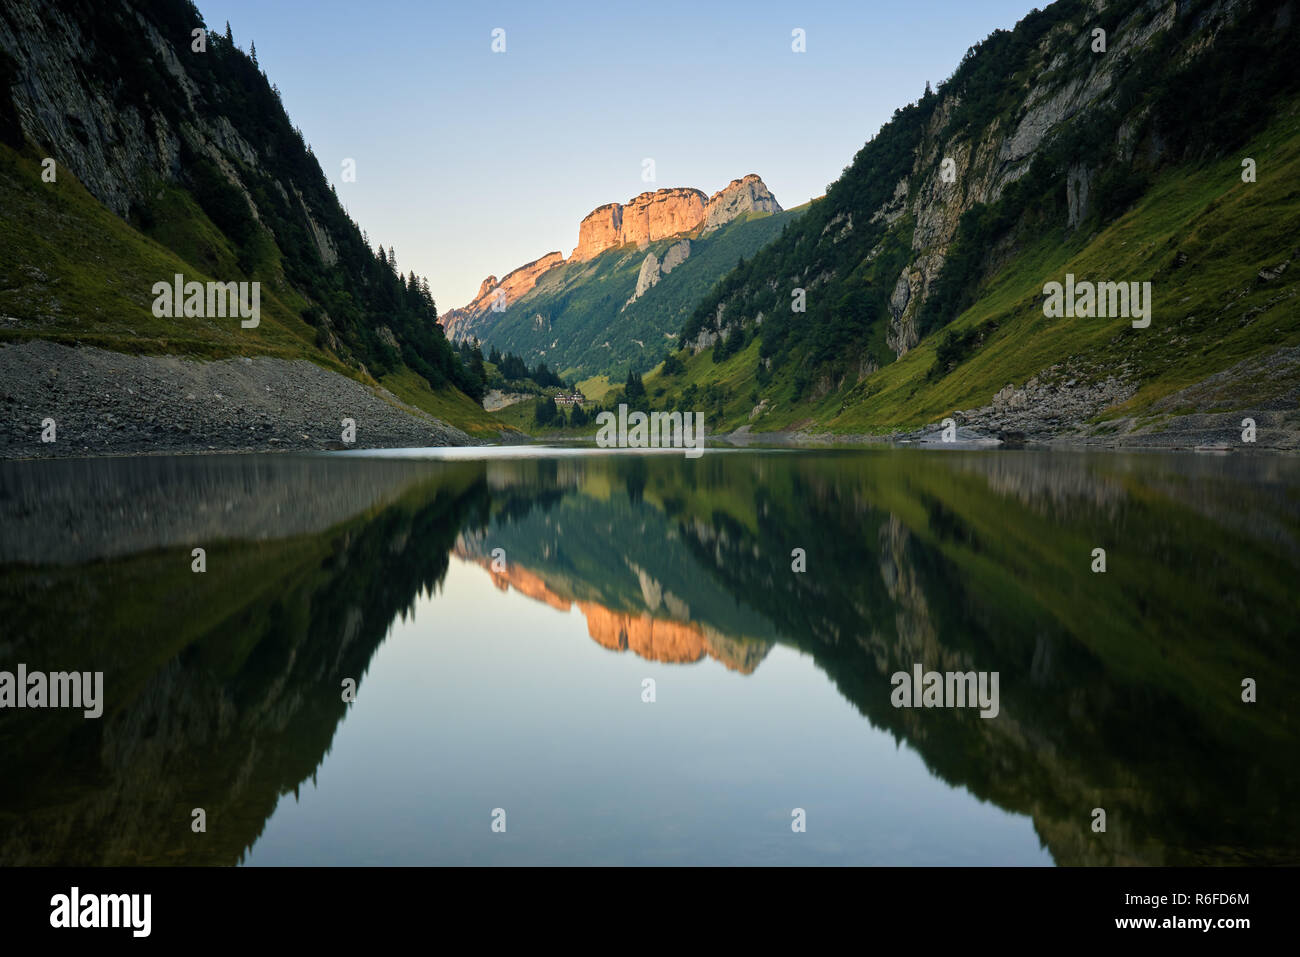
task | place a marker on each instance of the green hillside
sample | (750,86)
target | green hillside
(1210,313)
(185,161)
(1139,177)
(72,272)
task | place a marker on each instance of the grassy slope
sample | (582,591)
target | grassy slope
(450,405)
(72,271)
(1204,317)
(596,387)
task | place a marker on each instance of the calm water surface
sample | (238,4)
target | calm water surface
(502,613)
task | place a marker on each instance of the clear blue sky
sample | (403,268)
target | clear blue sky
(471,162)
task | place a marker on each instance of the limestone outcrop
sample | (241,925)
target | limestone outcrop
(749,194)
(652,270)
(645,218)
(669,212)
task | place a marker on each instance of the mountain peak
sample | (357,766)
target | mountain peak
(664,213)
(749,194)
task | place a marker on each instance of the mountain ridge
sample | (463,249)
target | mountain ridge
(645,218)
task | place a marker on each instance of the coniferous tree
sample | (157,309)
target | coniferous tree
(476,363)
(513,368)
(544,412)
(229,39)
(545,377)
(252,53)
(634,389)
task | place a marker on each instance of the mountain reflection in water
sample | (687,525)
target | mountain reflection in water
(1119,690)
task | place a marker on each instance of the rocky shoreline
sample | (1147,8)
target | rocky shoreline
(106,403)
(1187,436)
(110,403)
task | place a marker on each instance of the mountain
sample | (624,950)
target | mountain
(619,298)
(1130,141)
(134,146)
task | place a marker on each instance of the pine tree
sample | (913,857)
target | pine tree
(252,53)
(476,364)
(229,39)
(545,411)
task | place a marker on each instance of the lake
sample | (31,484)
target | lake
(559,656)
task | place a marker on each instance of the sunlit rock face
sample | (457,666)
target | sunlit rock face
(749,194)
(506,291)
(645,218)
(669,212)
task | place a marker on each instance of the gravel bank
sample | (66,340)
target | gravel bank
(109,403)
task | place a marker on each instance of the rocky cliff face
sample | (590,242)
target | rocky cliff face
(500,294)
(749,194)
(70,97)
(115,153)
(669,212)
(982,169)
(646,218)
(652,269)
